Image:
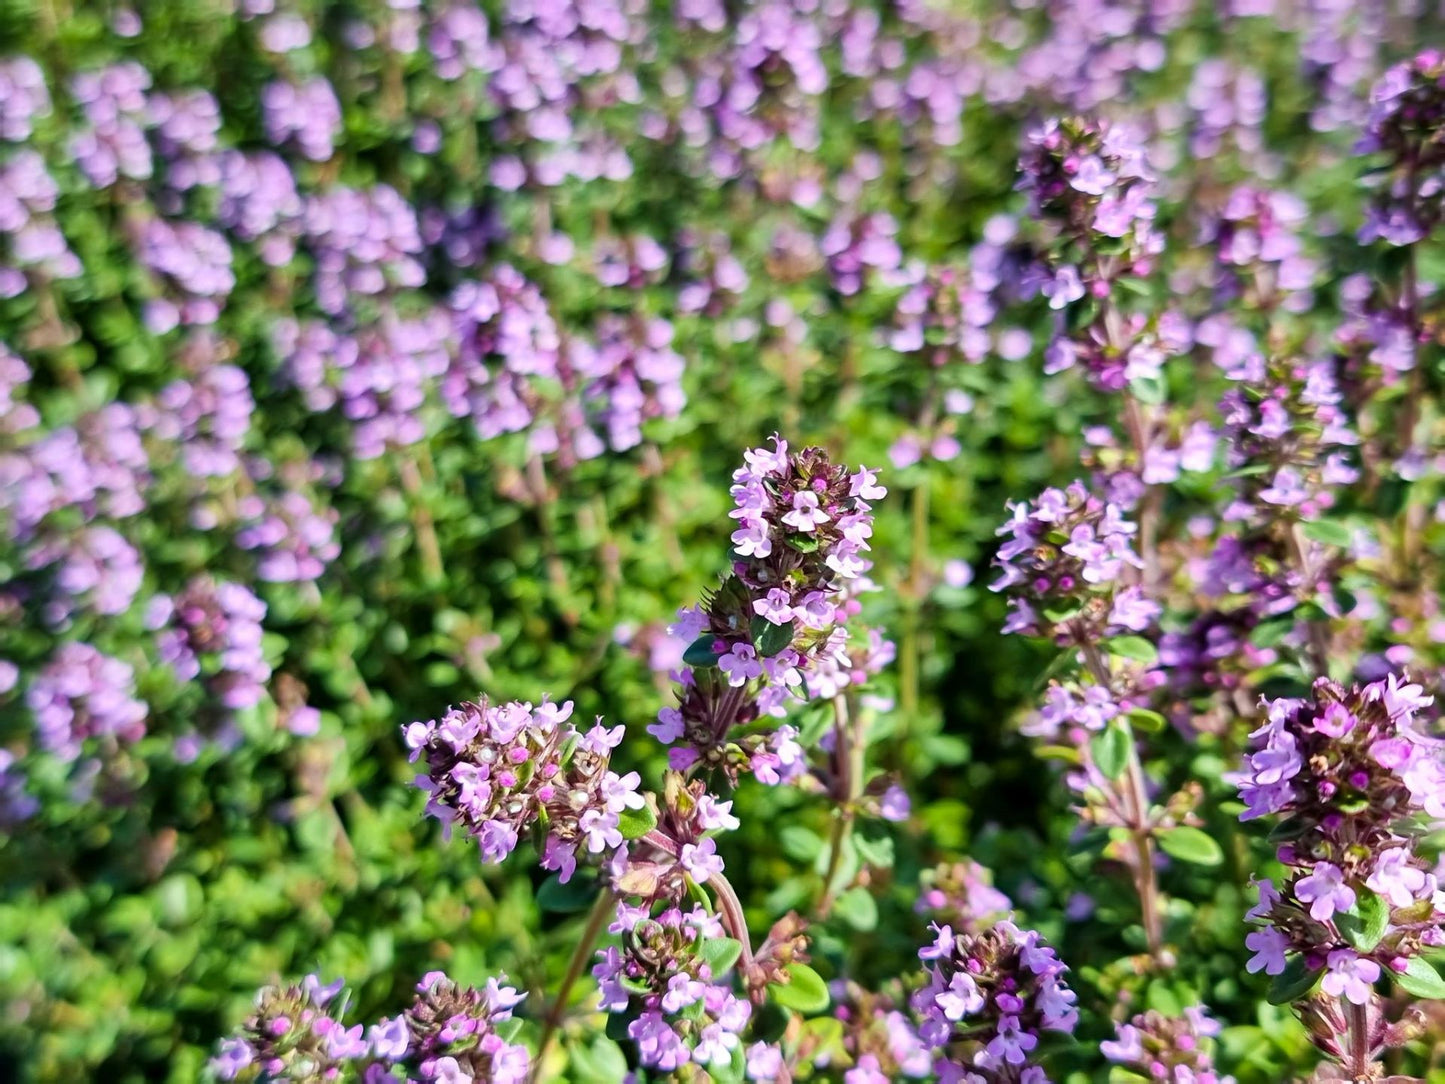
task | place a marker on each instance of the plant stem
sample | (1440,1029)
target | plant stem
(1151,506)
(737,924)
(1319,641)
(848,752)
(542,504)
(908,664)
(596,920)
(1413,522)
(426,534)
(1146,882)
(1359,1041)
(1136,807)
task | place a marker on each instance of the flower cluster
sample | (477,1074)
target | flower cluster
(113,144)
(1174,1049)
(306,113)
(1406,123)
(33,242)
(458,1033)
(96,570)
(499,770)
(1345,771)
(667,978)
(82,695)
(1261,256)
(212,632)
(294,537)
(1288,438)
(450,1035)
(1093,179)
(962,895)
(946,317)
(989,997)
(880,1039)
(775,628)
(1065,566)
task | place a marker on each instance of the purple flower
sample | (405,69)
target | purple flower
(702,860)
(1349,976)
(1325,891)
(389,1040)
(1268,946)
(496,770)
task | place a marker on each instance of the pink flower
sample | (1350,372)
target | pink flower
(601,740)
(682,991)
(701,860)
(806,516)
(1394,878)
(740,664)
(1350,976)
(1325,891)
(752,540)
(775,607)
(669,726)
(864,484)
(560,857)
(961,998)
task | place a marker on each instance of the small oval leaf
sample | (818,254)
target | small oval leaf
(699,653)
(636,823)
(1292,983)
(805,991)
(1421,979)
(721,953)
(1110,749)
(1191,845)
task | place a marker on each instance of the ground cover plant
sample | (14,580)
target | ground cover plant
(785,540)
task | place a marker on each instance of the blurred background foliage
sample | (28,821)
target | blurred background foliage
(135,931)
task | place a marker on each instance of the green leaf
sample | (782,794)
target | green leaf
(721,953)
(799,843)
(857,908)
(805,991)
(1287,829)
(616,1029)
(1329,532)
(602,1060)
(1271,633)
(825,1035)
(1148,389)
(1160,997)
(699,653)
(803,543)
(877,853)
(1292,983)
(1191,845)
(1133,647)
(1110,748)
(576,895)
(636,823)
(768,638)
(1422,980)
(1150,722)
(1365,923)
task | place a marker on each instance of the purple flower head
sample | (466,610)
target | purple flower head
(989,997)
(682,1012)
(497,770)
(1070,554)
(1352,779)
(774,631)
(1170,1048)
